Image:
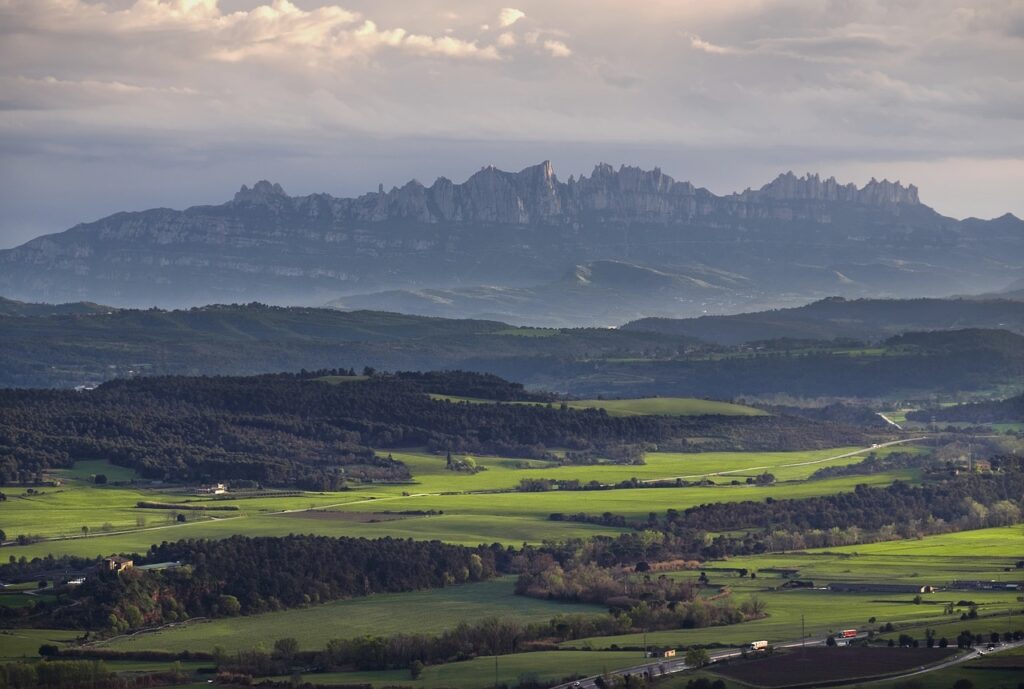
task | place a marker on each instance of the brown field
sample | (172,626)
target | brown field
(815,666)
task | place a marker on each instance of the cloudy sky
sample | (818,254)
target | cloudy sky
(129,104)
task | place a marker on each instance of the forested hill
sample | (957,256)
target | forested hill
(314,432)
(863,319)
(64,351)
(67,350)
(13,307)
(1000,411)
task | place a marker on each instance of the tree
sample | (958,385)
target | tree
(286,649)
(830,641)
(415,669)
(696,657)
(100,479)
(228,605)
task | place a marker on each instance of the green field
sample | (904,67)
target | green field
(935,560)
(471,515)
(667,406)
(25,643)
(429,611)
(631,502)
(480,672)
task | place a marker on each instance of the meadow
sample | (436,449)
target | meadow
(471,514)
(430,611)
(481,672)
(935,560)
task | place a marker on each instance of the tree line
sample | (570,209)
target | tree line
(242,575)
(296,430)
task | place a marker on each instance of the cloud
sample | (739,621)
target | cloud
(698,43)
(277,29)
(557,48)
(236,85)
(509,16)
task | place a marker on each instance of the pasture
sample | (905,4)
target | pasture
(935,560)
(471,514)
(430,611)
(480,672)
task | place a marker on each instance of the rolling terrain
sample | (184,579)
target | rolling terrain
(87,349)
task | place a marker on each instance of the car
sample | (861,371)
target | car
(577,684)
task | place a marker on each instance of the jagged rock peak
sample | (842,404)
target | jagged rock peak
(261,191)
(788,187)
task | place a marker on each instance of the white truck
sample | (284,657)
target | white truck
(757,646)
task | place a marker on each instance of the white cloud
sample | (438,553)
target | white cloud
(557,48)
(509,16)
(698,43)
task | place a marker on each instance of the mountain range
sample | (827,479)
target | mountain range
(527,247)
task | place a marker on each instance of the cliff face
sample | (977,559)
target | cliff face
(536,196)
(804,237)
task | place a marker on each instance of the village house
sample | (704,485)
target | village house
(116,563)
(214,489)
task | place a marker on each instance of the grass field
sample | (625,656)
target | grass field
(424,611)
(115,525)
(632,502)
(667,406)
(935,560)
(25,643)
(480,672)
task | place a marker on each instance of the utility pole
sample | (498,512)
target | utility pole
(645,642)
(495,670)
(803,635)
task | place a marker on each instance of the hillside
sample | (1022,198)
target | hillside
(598,294)
(583,362)
(794,239)
(1010,410)
(863,319)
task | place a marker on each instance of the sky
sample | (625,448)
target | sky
(132,104)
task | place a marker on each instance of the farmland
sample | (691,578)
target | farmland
(471,513)
(428,611)
(488,503)
(815,665)
(480,672)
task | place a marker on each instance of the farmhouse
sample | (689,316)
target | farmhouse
(116,563)
(869,587)
(213,489)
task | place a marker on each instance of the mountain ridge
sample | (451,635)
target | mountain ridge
(795,238)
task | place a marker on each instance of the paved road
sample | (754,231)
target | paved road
(794,464)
